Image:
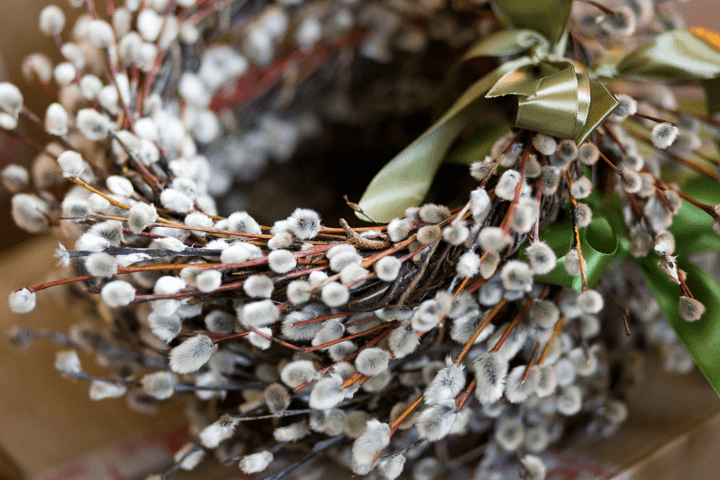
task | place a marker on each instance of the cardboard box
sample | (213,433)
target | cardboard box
(51,430)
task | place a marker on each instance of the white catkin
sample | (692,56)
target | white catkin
(298,291)
(387,268)
(100,390)
(71,164)
(298,372)
(468,265)
(436,421)
(22,301)
(490,372)
(258,286)
(447,384)
(663,135)
(374,439)
(216,432)
(209,280)
(327,393)
(505,187)
(334,294)
(259,314)
(159,385)
(191,354)
(118,293)
(691,310)
(398,229)
(372,361)
(276,398)
(281,261)
(402,341)
(544,144)
(509,433)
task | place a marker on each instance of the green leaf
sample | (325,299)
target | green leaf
(479,144)
(701,338)
(599,245)
(691,226)
(406,179)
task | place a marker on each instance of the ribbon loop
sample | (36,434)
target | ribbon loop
(548,17)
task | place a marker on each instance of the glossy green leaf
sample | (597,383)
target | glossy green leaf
(406,179)
(691,226)
(599,245)
(701,338)
(479,144)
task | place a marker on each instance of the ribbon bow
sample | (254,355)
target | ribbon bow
(555,96)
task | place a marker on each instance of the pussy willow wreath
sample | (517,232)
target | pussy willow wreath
(487,324)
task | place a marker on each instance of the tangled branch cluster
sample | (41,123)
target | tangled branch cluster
(368,344)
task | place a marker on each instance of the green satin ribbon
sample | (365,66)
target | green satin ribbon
(548,17)
(673,56)
(599,246)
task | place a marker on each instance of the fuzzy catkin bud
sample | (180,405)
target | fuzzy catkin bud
(327,393)
(436,422)
(490,372)
(494,239)
(208,281)
(56,119)
(542,258)
(544,144)
(71,164)
(259,314)
(281,261)
(588,154)
(101,33)
(101,265)
(298,372)
(334,294)
(277,399)
(402,341)
(118,293)
(387,268)
(691,309)
(52,20)
(100,390)
(581,188)
(372,361)
(509,433)
(590,301)
(141,215)
(663,135)
(468,265)
(375,438)
(428,234)
(505,187)
(398,229)
(192,354)
(572,263)
(159,385)
(22,301)
(305,223)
